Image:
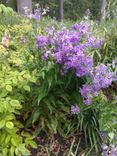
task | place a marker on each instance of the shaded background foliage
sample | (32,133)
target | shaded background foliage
(73,9)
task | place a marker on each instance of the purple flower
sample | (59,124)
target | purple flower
(88,101)
(86,91)
(84,27)
(75,26)
(113,151)
(105,150)
(46,55)
(105,153)
(36,15)
(98,43)
(75,109)
(42,41)
(69,49)
(104,147)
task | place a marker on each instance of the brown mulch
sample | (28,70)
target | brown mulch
(55,145)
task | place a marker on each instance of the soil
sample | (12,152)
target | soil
(55,145)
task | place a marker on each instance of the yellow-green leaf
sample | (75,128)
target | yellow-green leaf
(9,88)
(32,144)
(15,103)
(26,87)
(9,125)
(5,151)
(2,123)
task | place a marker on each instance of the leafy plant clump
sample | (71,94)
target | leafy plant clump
(68,83)
(68,49)
(15,81)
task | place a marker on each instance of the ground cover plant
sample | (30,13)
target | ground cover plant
(52,83)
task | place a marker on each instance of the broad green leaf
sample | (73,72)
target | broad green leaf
(9,125)
(15,141)
(26,87)
(15,103)
(21,148)
(14,80)
(12,150)
(9,88)
(35,115)
(3,93)
(20,78)
(5,151)
(2,123)
(25,134)
(111,135)
(2,138)
(10,117)
(7,140)
(32,144)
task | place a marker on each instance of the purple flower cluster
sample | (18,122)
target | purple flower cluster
(69,48)
(42,41)
(36,15)
(109,150)
(75,109)
(101,78)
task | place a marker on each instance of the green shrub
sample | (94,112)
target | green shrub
(15,82)
(73,9)
(8,16)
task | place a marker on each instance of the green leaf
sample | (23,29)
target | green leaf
(25,134)
(111,136)
(7,140)
(32,144)
(22,149)
(27,88)
(2,123)
(42,94)
(2,138)
(14,80)
(15,141)
(9,88)
(3,93)
(15,103)
(5,151)
(9,125)
(54,124)
(35,115)
(12,150)
(10,117)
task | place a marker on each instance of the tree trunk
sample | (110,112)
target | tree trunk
(103,10)
(24,4)
(60,10)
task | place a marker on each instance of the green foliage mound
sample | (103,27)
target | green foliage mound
(15,81)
